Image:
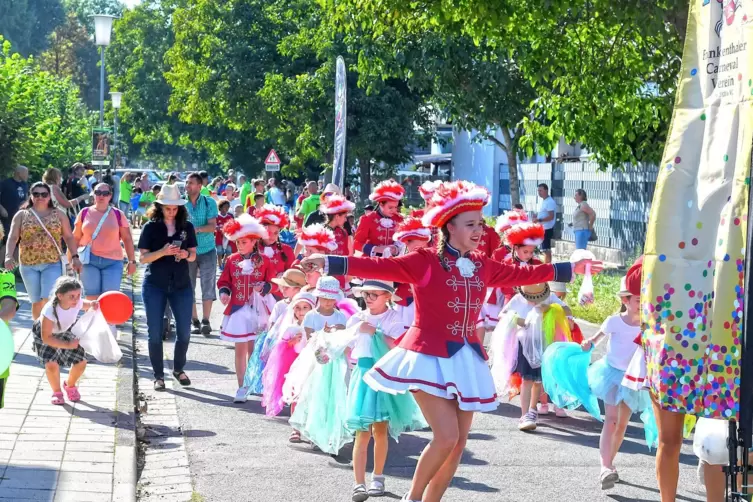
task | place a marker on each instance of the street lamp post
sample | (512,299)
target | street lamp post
(102,32)
(116,99)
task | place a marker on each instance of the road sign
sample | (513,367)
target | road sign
(272,162)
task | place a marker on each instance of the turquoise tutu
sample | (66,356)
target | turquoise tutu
(564,371)
(252,380)
(366,406)
(320,412)
(606,384)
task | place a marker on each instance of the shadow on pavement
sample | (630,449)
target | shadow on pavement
(19,482)
(217,399)
(621,498)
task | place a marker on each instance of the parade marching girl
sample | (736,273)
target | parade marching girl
(336,209)
(606,375)
(373,413)
(292,339)
(54,343)
(223,246)
(411,235)
(318,239)
(374,233)
(281,255)
(440,358)
(290,285)
(244,280)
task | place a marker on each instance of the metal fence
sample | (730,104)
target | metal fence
(621,198)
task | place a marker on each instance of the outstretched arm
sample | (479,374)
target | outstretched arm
(411,268)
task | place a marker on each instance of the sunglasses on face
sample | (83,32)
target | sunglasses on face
(101,193)
(328,194)
(40,195)
(371,296)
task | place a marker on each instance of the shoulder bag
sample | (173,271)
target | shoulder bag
(85,252)
(63,257)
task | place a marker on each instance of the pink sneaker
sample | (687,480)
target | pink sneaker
(57,399)
(543,409)
(559,412)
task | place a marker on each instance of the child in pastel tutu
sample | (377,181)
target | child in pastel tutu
(289,284)
(292,340)
(326,316)
(244,280)
(371,413)
(54,343)
(605,378)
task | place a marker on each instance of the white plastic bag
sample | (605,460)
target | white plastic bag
(586,291)
(710,441)
(96,338)
(532,338)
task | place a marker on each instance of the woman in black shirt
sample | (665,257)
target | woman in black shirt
(167,244)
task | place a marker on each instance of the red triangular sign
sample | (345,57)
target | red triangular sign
(272,158)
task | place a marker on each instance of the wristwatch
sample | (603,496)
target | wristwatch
(74,256)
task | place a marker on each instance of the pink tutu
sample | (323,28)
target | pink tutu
(280,360)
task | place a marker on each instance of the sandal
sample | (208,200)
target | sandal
(57,399)
(184,381)
(159,384)
(295,437)
(74,395)
(360,494)
(376,488)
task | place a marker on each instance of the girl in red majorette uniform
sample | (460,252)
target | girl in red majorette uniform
(440,358)
(281,255)
(318,239)
(426,190)
(374,233)
(411,235)
(244,282)
(496,299)
(336,209)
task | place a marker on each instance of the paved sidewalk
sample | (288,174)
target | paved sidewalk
(80,452)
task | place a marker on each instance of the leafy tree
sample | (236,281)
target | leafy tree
(26,23)
(602,73)
(85,9)
(42,121)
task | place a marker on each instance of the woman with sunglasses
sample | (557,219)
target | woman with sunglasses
(103,227)
(38,230)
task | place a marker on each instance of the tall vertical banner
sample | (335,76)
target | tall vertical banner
(341,113)
(692,296)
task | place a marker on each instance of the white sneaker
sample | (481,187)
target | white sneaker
(543,409)
(559,412)
(240,395)
(528,421)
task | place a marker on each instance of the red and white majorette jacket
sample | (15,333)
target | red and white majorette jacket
(341,238)
(241,286)
(282,257)
(375,230)
(501,253)
(447,302)
(490,241)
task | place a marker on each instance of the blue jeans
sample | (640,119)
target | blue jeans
(581,238)
(101,275)
(39,279)
(155,301)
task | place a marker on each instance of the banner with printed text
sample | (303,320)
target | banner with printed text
(695,246)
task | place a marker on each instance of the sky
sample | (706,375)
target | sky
(131,3)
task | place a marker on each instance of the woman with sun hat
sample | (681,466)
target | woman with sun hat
(440,359)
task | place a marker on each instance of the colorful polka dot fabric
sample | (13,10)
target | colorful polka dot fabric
(692,291)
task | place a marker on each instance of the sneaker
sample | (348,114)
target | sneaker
(559,412)
(206,329)
(543,409)
(240,395)
(360,494)
(195,327)
(528,421)
(608,478)
(376,488)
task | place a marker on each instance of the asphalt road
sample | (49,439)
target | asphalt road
(236,453)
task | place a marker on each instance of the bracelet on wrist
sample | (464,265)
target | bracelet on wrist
(74,256)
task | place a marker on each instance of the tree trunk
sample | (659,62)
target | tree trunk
(364,165)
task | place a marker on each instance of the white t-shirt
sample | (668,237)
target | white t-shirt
(522,308)
(391,324)
(278,312)
(66,317)
(233,204)
(545,206)
(316,321)
(277,196)
(621,341)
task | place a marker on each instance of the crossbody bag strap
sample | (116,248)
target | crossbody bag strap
(60,251)
(99,225)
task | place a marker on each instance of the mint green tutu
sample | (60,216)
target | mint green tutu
(366,406)
(252,380)
(320,412)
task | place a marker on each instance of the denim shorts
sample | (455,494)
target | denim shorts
(40,279)
(101,275)
(205,267)
(226,251)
